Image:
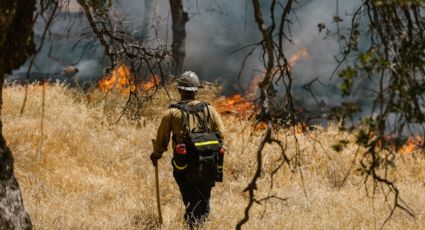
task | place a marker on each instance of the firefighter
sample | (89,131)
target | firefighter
(195,190)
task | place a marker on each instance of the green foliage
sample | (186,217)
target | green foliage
(337,19)
(392,59)
(353,42)
(347,76)
(367,61)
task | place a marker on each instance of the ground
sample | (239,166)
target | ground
(81,171)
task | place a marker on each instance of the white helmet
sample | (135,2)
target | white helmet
(188,81)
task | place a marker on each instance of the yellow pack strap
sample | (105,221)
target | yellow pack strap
(179,167)
(207,143)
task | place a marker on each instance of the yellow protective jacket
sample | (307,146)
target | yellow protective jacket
(172,122)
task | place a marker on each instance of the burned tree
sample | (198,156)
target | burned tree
(144,59)
(16,45)
(179,18)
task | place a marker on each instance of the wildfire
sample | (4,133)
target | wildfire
(236,104)
(412,144)
(260,126)
(300,55)
(151,83)
(122,79)
(254,87)
(242,104)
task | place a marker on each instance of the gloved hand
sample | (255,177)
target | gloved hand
(155,157)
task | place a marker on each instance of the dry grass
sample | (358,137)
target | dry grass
(96,175)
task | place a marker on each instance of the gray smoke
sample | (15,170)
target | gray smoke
(64,47)
(216,29)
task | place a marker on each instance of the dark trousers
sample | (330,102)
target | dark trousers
(196,199)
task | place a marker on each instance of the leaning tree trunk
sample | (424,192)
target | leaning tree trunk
(179,18)
(16,45)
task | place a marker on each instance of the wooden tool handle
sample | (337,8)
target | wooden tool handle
(158,199)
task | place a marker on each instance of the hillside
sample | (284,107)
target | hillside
(89,173)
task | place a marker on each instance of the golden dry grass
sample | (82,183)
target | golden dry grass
(97,175)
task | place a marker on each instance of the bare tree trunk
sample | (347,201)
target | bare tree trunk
(16,45)
(178,47)
(147,18)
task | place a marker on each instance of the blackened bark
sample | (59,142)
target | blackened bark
(178,46)
(16,45)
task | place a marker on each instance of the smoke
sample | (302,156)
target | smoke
(322,48)
(216,29)
(64,46)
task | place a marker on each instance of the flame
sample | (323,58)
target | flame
(151,83)
(254,87)
(123,80)
(412,144)
(302,54)
(120,77)
(236,104)
(260,126)
(242,104)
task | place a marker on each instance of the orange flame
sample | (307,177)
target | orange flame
(122,79)
(412,144)
(302,54)
(242,104)
(151,83)
(260,126)
(236,104)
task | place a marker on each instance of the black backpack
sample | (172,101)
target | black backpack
(204,148)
